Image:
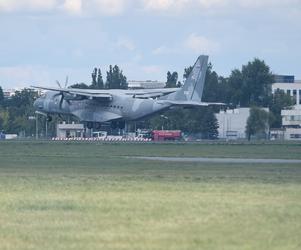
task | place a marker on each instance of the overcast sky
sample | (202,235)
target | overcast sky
(45,40)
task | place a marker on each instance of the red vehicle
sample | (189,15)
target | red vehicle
(164,135)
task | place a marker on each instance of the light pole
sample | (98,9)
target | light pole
(164,117)
(31,118)
(46,125)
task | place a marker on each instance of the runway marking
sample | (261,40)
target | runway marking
(219,160)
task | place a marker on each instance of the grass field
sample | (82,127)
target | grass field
(56,195)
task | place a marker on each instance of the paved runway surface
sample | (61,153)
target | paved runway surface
(219,160)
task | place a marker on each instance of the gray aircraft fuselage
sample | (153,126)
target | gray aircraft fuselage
(122,107)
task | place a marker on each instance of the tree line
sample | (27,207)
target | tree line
(250,86)
(115,80)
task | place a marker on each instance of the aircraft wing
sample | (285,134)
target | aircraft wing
(150,93)
(80,92)
(107,94)
(188,103)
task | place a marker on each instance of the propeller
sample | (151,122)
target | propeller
(66,82)
(61,93)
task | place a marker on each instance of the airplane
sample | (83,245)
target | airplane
(95,107)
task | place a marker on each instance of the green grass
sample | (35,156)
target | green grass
(89,196)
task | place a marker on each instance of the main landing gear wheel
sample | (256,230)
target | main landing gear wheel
(97,125)
(89,125)
(119,124)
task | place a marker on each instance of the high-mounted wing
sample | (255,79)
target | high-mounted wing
(150,93)
(189,103)
(107,94)
(80,92)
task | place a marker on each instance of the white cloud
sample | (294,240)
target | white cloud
(32,5)
(184,5)
(165,50)
(23,76)
(117,7)
(151,69)
(73,6)
(125,43)
(196,43)
(267,3)
(201,44)
(109,7)
(163,5)
(106,7)
(213,3)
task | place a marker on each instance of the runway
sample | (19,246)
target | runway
(220,160)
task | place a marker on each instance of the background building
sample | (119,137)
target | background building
(8,93)
(146,84)
(290,86)
(72,130)
(291,118)
(284,78)
(232,123)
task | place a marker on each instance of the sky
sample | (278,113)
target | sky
(42,41)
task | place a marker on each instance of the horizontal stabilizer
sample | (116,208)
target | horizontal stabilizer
(182,103)
(189,103)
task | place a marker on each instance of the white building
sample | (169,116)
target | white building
(146,84)
(291,121)
(293,89)
(8,93)
(232,123)
(72,130)
(292,134)
(291,118)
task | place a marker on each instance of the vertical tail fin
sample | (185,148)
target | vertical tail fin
(192,89)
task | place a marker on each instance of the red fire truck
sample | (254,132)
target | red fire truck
(164,135)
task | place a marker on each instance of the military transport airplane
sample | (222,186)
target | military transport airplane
(117,106)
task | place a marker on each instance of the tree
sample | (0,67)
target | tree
(257,123)
(1,96)
(4,119)
(172,80)
(280,100)
(257,82)
(209,125)
(100,84)
(97,81)
(19,108)
(116,79)
(251,85)
(211,92)
(79,86)
(202,120)
(235,88)
(94,76)
(187,71)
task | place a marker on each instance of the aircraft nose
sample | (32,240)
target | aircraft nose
(38,104)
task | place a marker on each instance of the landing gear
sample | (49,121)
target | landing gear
(121,124)
(89,125)
(94,125)
(118,124)
(49,118)
(114,125)
(97,125)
